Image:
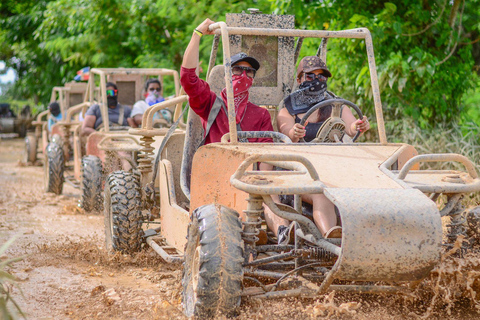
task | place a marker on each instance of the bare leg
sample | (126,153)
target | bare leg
(274,221)
(323,211)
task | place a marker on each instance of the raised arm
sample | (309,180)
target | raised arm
(190,58)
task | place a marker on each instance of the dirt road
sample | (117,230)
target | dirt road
(67,274)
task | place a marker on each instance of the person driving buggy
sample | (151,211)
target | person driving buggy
(249,117)
(117,113)
(55,114)
(312,75)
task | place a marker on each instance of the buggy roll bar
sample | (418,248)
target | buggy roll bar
(441,157)
(103,72)
(222,29)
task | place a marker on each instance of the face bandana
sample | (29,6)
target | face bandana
(308,94)
(153,98)
(112,101)
(241,84)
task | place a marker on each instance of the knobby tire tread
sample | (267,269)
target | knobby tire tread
(55,167)
(122,211)
(217,230)
(92,184)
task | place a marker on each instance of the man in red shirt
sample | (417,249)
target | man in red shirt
(249,116)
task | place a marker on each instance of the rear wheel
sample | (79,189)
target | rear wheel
(53,168)
(472,217)
(123,217)
(213,274)
(92,184)
(30,149)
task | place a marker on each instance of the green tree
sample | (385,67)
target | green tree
(38,69)
(425,52)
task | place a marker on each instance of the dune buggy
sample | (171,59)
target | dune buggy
(84,162)
(211,200)
(69,95)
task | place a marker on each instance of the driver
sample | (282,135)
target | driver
(117,113)
(312,75)
(249,117)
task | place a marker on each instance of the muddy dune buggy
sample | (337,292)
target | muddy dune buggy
(84,163)
(211,200)
(35,143)
(13,125)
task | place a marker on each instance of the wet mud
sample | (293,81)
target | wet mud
(66,272)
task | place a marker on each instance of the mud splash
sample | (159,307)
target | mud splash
(88,250)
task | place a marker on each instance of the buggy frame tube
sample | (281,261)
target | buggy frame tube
(359,33)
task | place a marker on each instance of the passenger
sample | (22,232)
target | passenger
(55,114)
(117,113)
(249,117)
(312,75)
(153,89)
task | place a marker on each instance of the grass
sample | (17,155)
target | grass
(7,280)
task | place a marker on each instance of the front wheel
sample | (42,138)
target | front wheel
(30,149)
(123,218)
(213,273)
(92,184)
(53,168)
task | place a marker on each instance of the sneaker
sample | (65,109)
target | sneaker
(335,232)
(285,235)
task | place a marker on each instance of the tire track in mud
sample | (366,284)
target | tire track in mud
(67,274)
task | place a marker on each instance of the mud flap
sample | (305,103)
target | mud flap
(388,234)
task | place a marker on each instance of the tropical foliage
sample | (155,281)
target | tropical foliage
(427,52)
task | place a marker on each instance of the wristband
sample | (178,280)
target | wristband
(199,33)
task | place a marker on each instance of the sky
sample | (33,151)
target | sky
(9,76)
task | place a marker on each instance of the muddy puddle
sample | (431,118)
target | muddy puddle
(66,272)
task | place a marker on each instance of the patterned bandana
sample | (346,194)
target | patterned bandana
(241,84)
(308,94)
(152,99)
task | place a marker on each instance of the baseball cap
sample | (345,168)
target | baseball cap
(310,63)
(54,108)
(242,56)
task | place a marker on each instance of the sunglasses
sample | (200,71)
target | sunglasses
(238,70)
(154,89)
(112,92)
(311,76)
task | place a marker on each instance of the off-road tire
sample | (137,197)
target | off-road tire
(472,218)
(212,273)
(53,168)
(30,149)
(92,174)
(123,217)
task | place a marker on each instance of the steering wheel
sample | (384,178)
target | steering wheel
(333,129)
(275,136)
